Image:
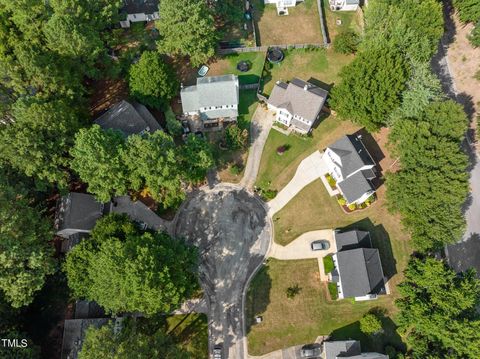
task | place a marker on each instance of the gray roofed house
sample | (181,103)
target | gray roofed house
(352,239)
(297,104)
(74,334)
(347,349)
(77,213)
(85,309)
(129,119)
(352,167)
(360,272)
(139,11)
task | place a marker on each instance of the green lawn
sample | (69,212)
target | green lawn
(276,171)
(349,20)
(228,65)
(288,322)
(322,65)
(191,332)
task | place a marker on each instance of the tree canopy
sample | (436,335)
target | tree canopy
(187,28)
(126,270)
(25,255)
(438,310)
(152,81)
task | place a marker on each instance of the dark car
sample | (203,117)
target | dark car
(217,352)
(320,245)
(310,351)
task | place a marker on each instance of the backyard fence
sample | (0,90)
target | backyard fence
(238,50)
(321,15)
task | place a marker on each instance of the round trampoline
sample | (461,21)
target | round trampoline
(275,55)
(243,66)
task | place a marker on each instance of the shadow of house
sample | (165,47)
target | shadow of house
(380,240)
(321,84)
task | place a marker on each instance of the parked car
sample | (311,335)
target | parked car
(310,351)
(217,352)
(203,70)
(320,245)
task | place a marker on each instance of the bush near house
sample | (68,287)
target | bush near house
(328,264)
(331,181)
(370,324)
(333,290)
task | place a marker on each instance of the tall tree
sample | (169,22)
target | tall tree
(438,310)
(125,270)
(152,81)
(96,158)
(371,87)
(187,28)
(25,255)
(129,343)
(37,141)
(196,159)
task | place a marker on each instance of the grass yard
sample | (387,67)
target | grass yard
(300,26)
(228,65)
(349,20)
(321,65)
(310,313)
(276,171)
(191,332)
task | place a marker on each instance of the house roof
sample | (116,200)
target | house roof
(74,334)
(354,187)
(85,309)
(128,118)
(212,91)
(353,154)
(352,239)
(78,211)
(352,2)
(369,356)
(360,272)
(341,348)
(140,6)
(299,97)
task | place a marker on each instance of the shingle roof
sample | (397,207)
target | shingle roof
(140,6)
(341,348)
(354,187)
(212,91)
(352,153)
(74,334)
(352,240)
(305,99)
(127,118)
(301,125)
(78,211)
(360,272)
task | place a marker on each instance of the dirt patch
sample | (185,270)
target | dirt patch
(464,62)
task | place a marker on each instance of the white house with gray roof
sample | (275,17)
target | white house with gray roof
(283,5)
(128,118)
(139,11)
(347,349)
(352,167)
(358,269)
(344,5)
(297,104)
(214,100)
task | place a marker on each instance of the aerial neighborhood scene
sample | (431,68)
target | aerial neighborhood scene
(240,179)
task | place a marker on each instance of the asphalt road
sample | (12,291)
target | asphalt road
(232,231)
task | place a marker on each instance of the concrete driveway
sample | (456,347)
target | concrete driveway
(308,170)
(232,231)
(300,249)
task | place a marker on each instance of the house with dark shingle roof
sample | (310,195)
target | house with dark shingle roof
(139,11)
(347,349)
(358,269)
(352,167)
(213,100)
(128,118)
(297,104)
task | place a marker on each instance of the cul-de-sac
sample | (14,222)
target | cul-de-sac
(240,179)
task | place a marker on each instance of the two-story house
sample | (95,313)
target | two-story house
(344,5)
(347,349)
(352,167)
(283,5)
(213,100)
(297,104)
(139,11)
(358,269)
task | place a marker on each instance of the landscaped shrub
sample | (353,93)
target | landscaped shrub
(268,194)
(352,206)
(236,138)
(331,181)
(174,127)
(341,201)
(328,264)
(293,291)
(346,42)
(236,169)
(370,324)
(333,290)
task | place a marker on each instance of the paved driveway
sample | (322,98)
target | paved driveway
(308,170)
(232,231)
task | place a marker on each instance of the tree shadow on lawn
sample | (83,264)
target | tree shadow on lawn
(381,241)
(258,296)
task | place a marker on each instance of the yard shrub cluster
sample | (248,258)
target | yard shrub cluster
(328,264)
(346,42)
(333,290)
(111,164)
(370,324)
